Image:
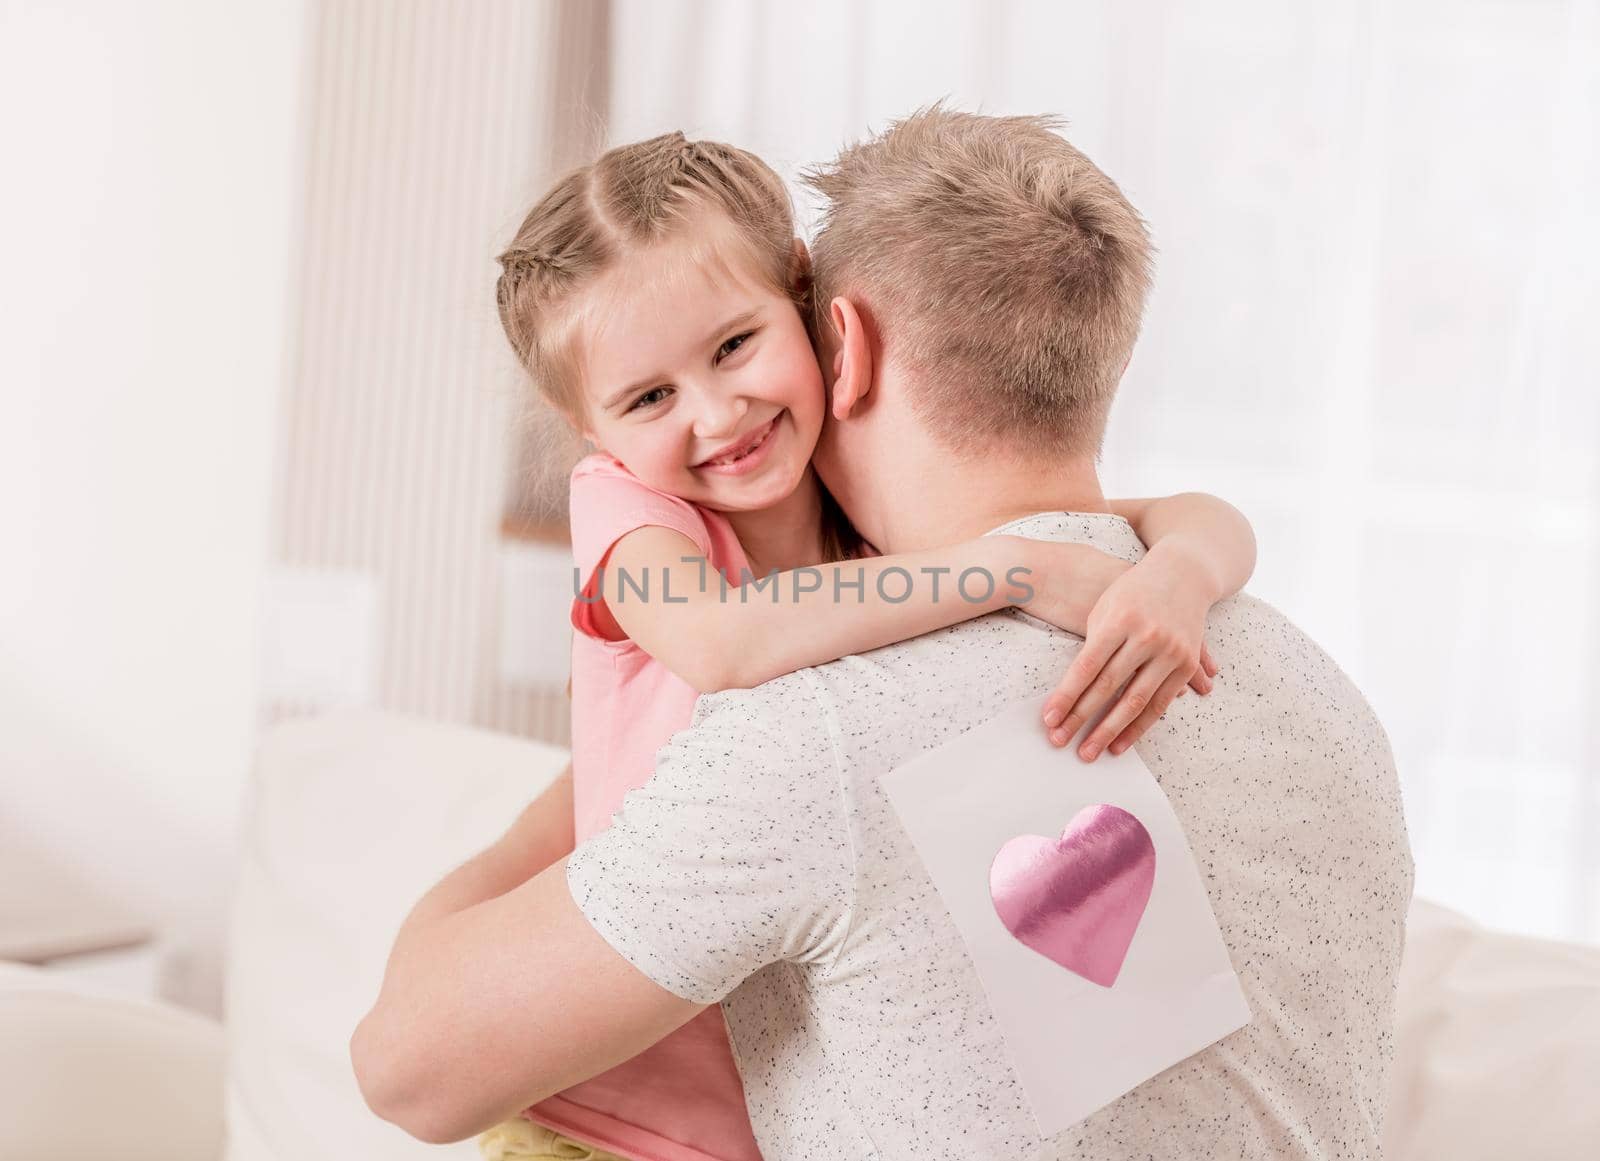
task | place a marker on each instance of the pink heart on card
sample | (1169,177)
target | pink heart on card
(1078,899)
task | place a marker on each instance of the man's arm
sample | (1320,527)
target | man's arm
(451,954)
(487,1010)
(732,857)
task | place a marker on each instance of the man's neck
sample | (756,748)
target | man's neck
(951,499)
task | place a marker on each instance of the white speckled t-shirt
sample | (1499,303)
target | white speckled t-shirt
(763,866)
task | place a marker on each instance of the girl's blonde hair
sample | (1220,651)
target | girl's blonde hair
(629,198)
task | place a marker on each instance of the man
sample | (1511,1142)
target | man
(979,285)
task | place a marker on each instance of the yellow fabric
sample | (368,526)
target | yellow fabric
(520,1140)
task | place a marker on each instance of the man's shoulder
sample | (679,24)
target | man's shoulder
(789,717)
(836,715)
(1256,629)
(774,699)
(765,753)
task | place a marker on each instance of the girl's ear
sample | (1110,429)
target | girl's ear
(575,421)
(574,424)
(852,358)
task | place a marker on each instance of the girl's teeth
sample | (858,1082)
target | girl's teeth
(733,459)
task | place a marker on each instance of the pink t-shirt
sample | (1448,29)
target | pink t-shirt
(680,1099)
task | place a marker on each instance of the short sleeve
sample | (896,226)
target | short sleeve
(606,502)
(734,855)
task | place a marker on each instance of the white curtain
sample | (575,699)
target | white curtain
(1372,332)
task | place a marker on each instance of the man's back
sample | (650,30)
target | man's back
(867,1029)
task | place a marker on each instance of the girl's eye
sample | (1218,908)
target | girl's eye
(648,398)
(732,345)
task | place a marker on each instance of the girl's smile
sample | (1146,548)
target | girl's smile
(747,453)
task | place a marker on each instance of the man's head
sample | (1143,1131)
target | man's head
(978,288)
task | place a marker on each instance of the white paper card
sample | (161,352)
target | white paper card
(1076,1045)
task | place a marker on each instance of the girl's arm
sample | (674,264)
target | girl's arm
(1205,536)
(1201,550)
(1145,622)
(658,591)
(733,638)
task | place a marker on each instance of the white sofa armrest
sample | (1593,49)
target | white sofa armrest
(86,1072)
(1498,1045)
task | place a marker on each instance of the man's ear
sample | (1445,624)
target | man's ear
(852,358)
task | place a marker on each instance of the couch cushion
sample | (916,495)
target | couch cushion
(1498,1051)
(351,817)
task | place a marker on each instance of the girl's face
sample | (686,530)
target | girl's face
(701,379)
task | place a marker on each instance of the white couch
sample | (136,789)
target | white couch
(352,816)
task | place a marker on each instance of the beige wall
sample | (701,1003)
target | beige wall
(151,160)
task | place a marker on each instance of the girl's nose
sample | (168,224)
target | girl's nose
(719,415)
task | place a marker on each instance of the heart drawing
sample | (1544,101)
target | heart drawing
(1078,899)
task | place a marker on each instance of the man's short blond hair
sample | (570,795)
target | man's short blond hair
(1000,267)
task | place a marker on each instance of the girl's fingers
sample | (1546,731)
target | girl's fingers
(1200,677)
(1141,694)
(1150,714)
(1105,685)
(1085,667)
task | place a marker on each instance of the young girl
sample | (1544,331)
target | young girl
(656,298)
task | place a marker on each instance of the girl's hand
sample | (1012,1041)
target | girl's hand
(1146,630)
